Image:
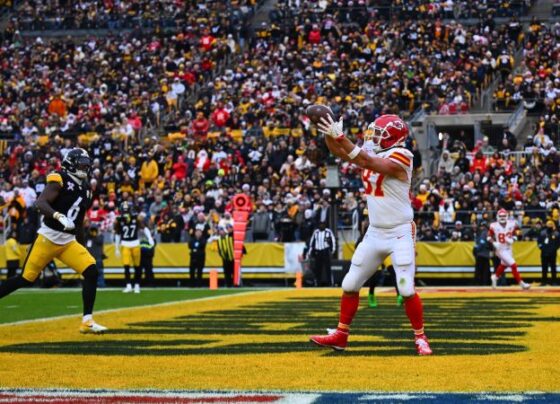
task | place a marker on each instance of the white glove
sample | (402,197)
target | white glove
(117,251)
(509,240)
(64,221)
(496,245)
(329,127)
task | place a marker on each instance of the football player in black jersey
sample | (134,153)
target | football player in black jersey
(127,228)
(63,204)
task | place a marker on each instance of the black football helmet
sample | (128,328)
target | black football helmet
(77,162)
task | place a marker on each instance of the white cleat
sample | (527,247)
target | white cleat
(524,285)
(136,288)
(128,289)
(494,279)
(91,327)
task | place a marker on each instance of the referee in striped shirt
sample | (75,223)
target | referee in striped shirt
(322,246)
(225,250)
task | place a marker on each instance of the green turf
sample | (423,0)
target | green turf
(34,304)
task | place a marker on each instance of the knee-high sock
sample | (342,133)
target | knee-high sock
(500,270)
(415,313)
(515,273)
(89,288)
(127,273)
(12,285)
(348,307)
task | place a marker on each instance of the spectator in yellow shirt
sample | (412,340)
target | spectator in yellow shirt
(149,171)
(13,254)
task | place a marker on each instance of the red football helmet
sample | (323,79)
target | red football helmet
(386,131)
(502,216)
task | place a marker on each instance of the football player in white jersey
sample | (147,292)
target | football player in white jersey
(502,234)
(387,175)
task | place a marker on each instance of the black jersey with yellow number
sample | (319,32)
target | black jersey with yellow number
(127,227)
(73,201)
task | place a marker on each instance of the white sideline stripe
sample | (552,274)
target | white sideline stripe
(41,320)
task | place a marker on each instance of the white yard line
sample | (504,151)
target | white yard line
(40,320)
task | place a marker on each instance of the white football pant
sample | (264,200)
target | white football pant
(377,244)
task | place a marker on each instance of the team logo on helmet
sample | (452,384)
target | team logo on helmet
(386,131)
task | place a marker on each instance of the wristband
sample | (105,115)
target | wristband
(56,215)
(355,151)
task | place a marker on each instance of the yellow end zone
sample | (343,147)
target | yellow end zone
(260,341)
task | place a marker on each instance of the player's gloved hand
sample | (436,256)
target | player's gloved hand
(509,240)
(496,245)
(329,127)
(64,221)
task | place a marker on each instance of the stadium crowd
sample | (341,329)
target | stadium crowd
(233,120)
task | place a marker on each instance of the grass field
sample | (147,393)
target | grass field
(256,341)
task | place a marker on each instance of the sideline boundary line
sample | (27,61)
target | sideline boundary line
(41,320)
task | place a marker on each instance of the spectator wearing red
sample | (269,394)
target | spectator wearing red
(96,214)
(207,41)
(314,36)
(200,125)
(220,116)
(180,169)
(479,163)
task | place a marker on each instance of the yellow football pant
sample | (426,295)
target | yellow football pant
(43,251)
(131,256)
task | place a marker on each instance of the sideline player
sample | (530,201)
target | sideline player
(387,176)
(63,203)
(502,234)
(126,234)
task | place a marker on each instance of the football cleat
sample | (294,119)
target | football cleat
(336,340)
(524,285)
(494,279)
(136,288)
(91,327)
(400,301)
(422,345)
(372,301)
(128,289)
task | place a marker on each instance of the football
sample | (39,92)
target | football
(317,111)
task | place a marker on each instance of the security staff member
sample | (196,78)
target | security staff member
(197,245)
(147,252)
(321,246)
(549,242)
(482,251)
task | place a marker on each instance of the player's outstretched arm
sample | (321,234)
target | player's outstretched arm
(343,147)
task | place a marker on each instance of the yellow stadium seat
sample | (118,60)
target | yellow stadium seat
(354,130)
(214,135)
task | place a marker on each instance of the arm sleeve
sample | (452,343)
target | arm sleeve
(148,235)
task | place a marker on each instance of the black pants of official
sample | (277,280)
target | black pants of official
(197,265)
(147,265)
(322,268)
(228,272)
(482,271)
(548,261)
